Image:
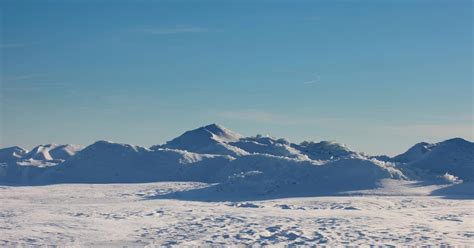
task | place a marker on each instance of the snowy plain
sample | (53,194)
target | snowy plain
(212,186)
(137,215)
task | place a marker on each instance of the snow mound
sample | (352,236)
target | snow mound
(263,176)
(50,152)
(64,152)
(268,145)
(211,139)
(99,162)
(268,175)
(453,156)
(415,152)
(324,150)
(108,162)
(178,165)
(12,153)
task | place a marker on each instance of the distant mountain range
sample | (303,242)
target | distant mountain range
(217,155)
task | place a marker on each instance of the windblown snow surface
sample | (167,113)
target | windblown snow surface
(212,186)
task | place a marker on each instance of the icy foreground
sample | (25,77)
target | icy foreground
(141,214)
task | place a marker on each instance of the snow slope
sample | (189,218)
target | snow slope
(133,215)
(52,152)
(414,153)
(108,162)
(10,154)
(324,150)
(211,139)
(268,145)
(262,176)
(17,166)
(453,156)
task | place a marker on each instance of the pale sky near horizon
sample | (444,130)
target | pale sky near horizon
(378,76)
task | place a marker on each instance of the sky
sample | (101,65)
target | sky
(378,76)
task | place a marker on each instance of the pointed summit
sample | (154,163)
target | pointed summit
(212,139)
(219,132)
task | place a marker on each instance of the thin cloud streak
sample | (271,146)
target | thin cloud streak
(316,80)
(313,18)
(12,45)
(176,30)
(310,82)
(43,86)
(22,77)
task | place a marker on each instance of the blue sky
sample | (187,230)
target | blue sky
(376,75)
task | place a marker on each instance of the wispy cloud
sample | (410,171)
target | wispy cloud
(174,30)
(21,77)
(29,82)
(12,45)
(23,88)
(313,18)
(34,87)
(316,80)
(310,82)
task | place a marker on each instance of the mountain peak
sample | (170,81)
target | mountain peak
(220,133)
(214,126)
(415,152)
(212,138)
(420,150)
(457,140)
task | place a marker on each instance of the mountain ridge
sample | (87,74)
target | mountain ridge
(216,154)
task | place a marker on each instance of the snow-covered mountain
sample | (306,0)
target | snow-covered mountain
(108,162)
(415,152)
(18,166)
(324,150)
(215,139)
(268,145)
(453,156)
(211,139)
(52,152)
(215,154)
(268,175)
(10,154)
